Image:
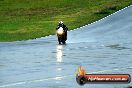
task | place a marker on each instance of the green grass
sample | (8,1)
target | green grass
(29,19)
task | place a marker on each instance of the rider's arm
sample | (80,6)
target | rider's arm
(66,27)
(57,28)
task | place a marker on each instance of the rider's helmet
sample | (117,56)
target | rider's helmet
(61,22)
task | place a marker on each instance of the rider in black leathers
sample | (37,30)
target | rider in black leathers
(61,24)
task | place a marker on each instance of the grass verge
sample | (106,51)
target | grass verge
(28,19)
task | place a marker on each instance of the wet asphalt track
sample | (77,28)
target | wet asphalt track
(102,47)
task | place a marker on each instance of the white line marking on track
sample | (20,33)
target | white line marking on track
(56,78)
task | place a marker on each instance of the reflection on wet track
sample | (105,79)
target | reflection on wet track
(102,47)
(59,53)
